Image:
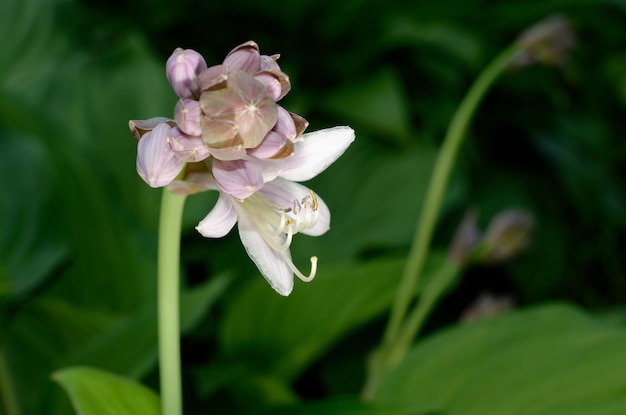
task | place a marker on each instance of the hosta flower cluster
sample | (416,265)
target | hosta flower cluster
(228,133)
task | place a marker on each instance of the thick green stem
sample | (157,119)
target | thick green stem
(399,333)
(168,297)
(437,186)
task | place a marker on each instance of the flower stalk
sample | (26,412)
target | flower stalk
(401,330)
(168,301)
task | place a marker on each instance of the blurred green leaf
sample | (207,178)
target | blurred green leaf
(31,247)
(528,362)
(379,103)
(130,347)
(287,333)
(338,406)
(96,392)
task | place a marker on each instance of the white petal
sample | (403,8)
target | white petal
(269,262)
(282,194)
(315,151)
(220,219)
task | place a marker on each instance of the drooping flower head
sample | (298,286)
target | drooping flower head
(232,136)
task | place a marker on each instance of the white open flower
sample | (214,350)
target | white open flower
(270,217)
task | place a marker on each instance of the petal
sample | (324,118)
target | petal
(182,69)
(282,194)
(285,124)
(244,57)
(188,148)
(157,163)
(315,151)
(270,263)
(140,127)
(188,116)
(273,146)
(238,178)
(229,153)
(220,219)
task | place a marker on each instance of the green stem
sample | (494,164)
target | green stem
(400,332)
(7,389)
(168,302)
(441,283)
(437,186)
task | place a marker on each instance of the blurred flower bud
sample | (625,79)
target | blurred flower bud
(182,69)
(547,42)
(466,239)
(508,234)
(487,305)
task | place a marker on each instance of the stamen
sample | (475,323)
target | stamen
(297,272)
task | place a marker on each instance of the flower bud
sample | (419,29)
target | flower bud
(547,42)
(508,234)
(182,69)
(157,164)
(466,239)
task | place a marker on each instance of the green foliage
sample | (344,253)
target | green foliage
(96,392)
(548,359)
(78,227)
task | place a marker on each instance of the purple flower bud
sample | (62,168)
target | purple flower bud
(182,69)
(188,148)
(188,116)
(273,146)
(244,57)
(157,164)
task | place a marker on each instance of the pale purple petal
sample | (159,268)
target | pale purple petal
(244,57)
(220,219)
(157,163)
(283,193)
(285,124)
(182,69)
(270,263)
(271,82)
(273,146)
(238,178)
(188,116)
(315,151)
(188,148)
